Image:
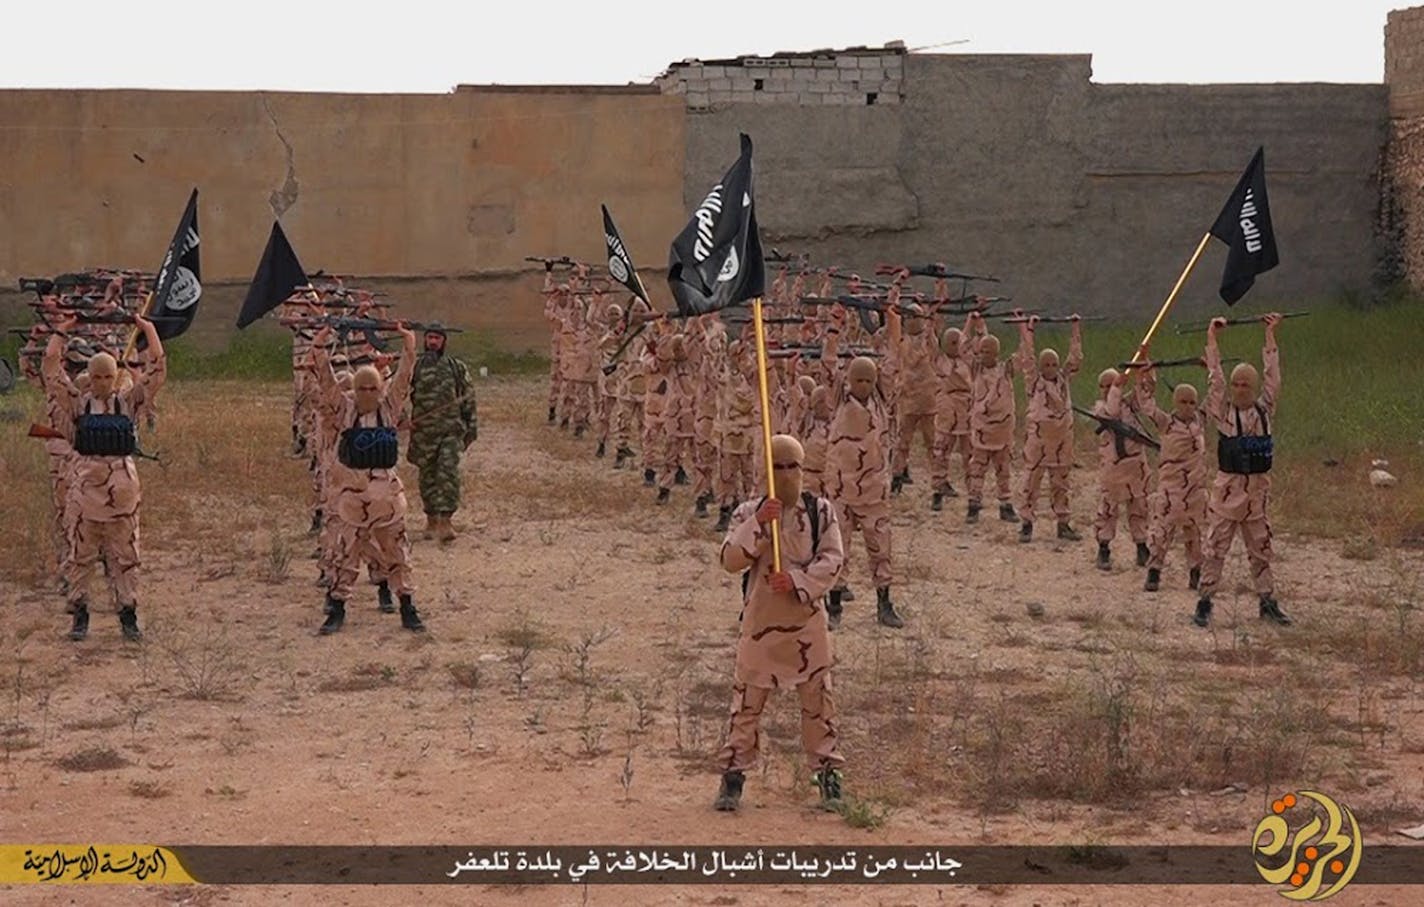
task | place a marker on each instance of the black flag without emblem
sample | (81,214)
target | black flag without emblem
(619,264)
(179,285)
(278,273)
(716,260)
(1245,226)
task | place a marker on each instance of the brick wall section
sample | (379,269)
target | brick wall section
(857,76)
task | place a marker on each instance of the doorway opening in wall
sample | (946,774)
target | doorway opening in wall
(870,98)
(756,86)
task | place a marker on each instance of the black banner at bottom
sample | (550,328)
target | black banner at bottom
(684,865)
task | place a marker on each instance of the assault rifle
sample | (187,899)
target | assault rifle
(937,270)
(815,352)
(341,323)
(1170,363)
(1248,319)
(1121,429)
(1052,319)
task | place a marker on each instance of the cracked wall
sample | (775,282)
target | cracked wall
(284,196)
(462,183)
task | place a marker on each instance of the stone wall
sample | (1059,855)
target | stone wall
(857,76)
(1402,206)
(1078,194)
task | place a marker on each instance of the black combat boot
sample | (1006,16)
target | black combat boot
(1271,611)
(972,514)
(551,415)
(649,477)
(905,477)
(828,782)
(1203,615)
(724,519)
(410,618)
(386,605)
(335,616)
(622,457)
(80,628)
(663,495)
(1194,578)
(578,431)
(1026,531)
(1154,580)
(316,522)
(729,795)
(937,501)
(1104,561)
(834,609)
(680,478)
(1068,533)
(897,482)
(128,623)
(602,449)
(699,507)
(1143,555)
(1007,514)
(885,609)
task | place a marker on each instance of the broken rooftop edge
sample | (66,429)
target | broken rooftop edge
(825,53)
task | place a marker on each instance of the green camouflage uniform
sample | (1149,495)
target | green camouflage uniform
(440,429)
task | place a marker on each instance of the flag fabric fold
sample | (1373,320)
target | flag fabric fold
(178,287)
(1244,224)
(620,265)
(716,260)
(278,274)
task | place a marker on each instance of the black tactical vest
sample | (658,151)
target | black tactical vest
(376,447)
(1248,455)
(104,434)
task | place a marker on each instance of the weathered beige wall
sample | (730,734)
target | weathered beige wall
(407,185)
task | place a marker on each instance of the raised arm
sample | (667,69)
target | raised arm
(1075,349)
(399,390)
(1026,357)
(1146,393)
(154,373)
(56,380)
(321,365)
(1216,380)
(1271,360)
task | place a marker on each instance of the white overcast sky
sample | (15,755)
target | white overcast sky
(423,46)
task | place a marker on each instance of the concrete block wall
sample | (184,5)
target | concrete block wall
(859,76)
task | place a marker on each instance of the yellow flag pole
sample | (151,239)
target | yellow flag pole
(766,429)
(133,335)
(1171,298)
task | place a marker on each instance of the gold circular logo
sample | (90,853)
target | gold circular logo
(1309,843)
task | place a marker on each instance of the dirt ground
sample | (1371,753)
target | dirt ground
(573,683)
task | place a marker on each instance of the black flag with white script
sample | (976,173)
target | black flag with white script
(1245,226)
(278,274)
(716,260)
(619,264)
(179,285)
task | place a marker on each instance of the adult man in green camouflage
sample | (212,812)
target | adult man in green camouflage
(442,424)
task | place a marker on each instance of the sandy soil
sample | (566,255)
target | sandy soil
(378,736)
